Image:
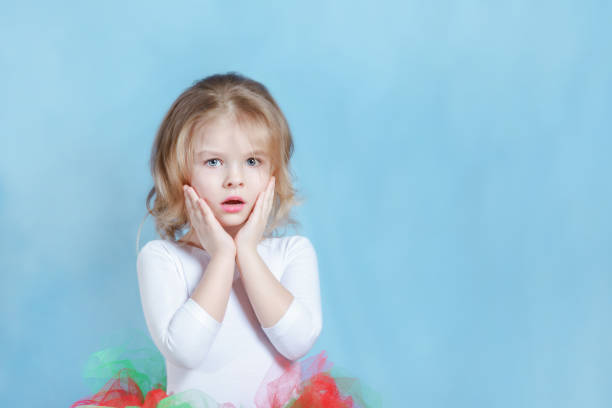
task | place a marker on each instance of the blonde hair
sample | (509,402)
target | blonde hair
(249,103)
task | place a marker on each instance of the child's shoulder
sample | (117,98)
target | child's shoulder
(286,240)
(161,247)
(154,244)
(289,244)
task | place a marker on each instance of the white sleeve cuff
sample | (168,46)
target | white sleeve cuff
(201,315)
(284,325)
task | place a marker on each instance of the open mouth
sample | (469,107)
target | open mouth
(232,204)
(233,200)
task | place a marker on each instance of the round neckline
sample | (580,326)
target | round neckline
(189,244)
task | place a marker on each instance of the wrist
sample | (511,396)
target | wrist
(224,256)
(245,250)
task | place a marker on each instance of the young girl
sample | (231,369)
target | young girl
(229,304)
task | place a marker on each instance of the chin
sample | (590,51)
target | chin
(232,220)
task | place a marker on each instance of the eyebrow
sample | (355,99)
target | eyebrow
(258,152)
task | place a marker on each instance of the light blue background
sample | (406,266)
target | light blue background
(455,157)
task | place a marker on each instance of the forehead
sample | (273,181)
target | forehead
(225,134)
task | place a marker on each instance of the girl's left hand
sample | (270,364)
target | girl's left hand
(252,231)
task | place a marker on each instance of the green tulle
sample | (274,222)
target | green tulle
(138,366)
(136,355)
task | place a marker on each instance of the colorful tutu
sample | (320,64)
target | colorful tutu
(130,376)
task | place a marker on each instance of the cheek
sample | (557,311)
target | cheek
(263,177)
(261,187)
(202,187)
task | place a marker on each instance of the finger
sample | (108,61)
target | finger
(187,191)
(191,213)
(258,204)
(210,217)
(265,203)
(192,207)
(204,207)
(272,189)
(188,204)
(192,195)
(194,199)
(269,197)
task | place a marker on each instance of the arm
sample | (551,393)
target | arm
(289,311)
(181,328)
(213,290)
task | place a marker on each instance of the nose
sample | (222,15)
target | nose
(234,178)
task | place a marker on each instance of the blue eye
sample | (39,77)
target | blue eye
(253,162)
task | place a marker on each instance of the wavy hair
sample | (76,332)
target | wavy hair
(249,103)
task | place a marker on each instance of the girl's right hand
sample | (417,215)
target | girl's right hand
(211,234)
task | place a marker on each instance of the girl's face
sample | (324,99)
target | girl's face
(227,164)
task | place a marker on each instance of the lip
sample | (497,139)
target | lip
(233,208)
(233,198)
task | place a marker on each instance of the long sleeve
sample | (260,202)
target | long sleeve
(297,330)
(180,328)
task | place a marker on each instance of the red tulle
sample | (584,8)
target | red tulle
(153,397)
(304,384)
(322,392)
(121,392)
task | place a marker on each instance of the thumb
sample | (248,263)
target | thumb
(210,217)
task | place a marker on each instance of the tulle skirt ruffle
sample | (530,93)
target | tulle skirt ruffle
(126,376)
